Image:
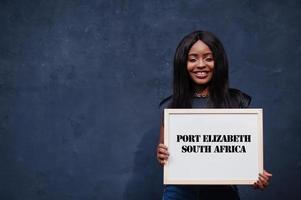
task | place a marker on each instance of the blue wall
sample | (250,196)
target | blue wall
(80,83)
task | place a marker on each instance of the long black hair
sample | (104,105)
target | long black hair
(183,86)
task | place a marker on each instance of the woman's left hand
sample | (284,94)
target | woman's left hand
(263,180)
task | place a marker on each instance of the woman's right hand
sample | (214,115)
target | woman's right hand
(162,154)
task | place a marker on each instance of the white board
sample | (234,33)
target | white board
(219,165)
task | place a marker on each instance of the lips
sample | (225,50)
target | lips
(201,74)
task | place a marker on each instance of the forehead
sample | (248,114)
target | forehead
(199,48)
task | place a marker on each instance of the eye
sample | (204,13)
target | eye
(209,59)
(192,60)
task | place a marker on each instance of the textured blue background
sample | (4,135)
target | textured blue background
(80,83)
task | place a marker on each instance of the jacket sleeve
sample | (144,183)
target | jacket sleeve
(243,100)
(165,103)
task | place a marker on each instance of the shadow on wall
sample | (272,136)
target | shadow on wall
(146,180)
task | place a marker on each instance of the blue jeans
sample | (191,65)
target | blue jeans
(200,192)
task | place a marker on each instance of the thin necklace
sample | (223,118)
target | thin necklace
(201,95)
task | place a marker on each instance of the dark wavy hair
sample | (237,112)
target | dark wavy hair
(183,86)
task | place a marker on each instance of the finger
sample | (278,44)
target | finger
(162,162)
(266,178)
(162,156)
(267,173)
(260,185)
(162,146)
(263,181)
(256,186)
(163,151)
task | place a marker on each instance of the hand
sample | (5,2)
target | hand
(263,180)
(162,154)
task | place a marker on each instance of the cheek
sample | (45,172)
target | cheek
(211,65)
(189,66)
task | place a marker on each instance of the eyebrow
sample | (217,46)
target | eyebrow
(195,54)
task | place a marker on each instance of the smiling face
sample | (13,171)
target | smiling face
(200,63)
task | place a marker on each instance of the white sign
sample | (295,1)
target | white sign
(213,146)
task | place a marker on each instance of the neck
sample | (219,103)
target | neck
(201,90)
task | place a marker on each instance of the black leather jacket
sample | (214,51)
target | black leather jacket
(238,99)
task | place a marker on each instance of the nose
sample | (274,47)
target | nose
(201,63)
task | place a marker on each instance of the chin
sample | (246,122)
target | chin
(201,82)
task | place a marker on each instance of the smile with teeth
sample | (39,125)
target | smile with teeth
(201,74)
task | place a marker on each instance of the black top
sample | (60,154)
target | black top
(238,99)
(197,102)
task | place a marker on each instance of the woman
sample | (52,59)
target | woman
(201,81)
